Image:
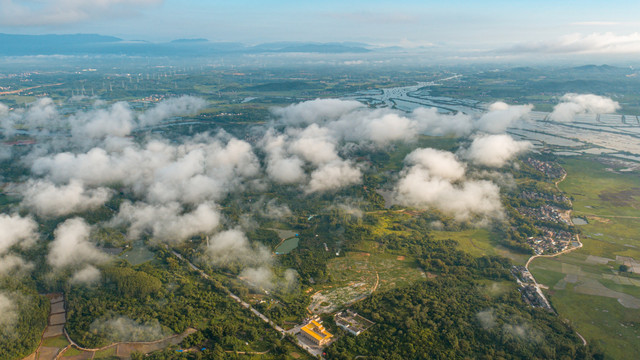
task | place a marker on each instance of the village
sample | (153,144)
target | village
(531,293)
(555,231)
(551,170)
(550,239)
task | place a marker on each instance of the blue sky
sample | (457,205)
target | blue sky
(465,24)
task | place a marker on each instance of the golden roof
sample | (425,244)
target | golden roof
(316,330)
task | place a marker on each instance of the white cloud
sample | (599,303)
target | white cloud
(434,179)
(333,176)
(88,275)
(233,247)
(486,318)
(71,246)
(502,116)
(435,123)
(48,199)
(439,163)
(122,328)
(575,104)
(117,120)
(271,209)
(57,12)
(315,111)
(12,265)
(494,150)
(314,144)
(184,105)
(595,23)
(594,43)
(205,169)
(281,167)
(16,230)
(168,222)
(8,313)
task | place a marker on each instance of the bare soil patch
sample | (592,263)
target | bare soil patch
(621,198)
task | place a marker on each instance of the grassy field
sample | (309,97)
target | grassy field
(480,242)
(59,342)
(585,286)
(110,352)
(358,273)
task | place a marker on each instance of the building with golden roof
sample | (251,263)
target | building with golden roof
(316,333)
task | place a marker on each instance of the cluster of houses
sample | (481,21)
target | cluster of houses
(545,213)
(551,241)
(531,294)
(551,170)
(537,195)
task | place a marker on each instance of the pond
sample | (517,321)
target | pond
(287,246)
(579,221)
(139,254)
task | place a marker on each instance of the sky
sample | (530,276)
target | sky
(521,26)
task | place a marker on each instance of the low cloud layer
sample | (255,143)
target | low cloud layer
(124,329)
(317,132)
(263,278)
(502,116)
(8,313)
(174,188)
(575,104)
(232,247)
(42,117)
(48,199)
(71,246)
(334,175)
(13,265)
(184,105)
(436,179)
(16,230)
(88,275)
(486,318)
(167,223)
(595,43)
(494,150)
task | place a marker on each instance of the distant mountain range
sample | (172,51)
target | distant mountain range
(93,44)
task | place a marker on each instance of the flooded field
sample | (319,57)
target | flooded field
(139,254)
(616,135)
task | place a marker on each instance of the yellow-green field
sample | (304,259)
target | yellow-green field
(586,286)
(480,242)
(358,273)
(59,342)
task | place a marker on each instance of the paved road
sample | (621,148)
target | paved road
(235,297)
(538,289)
(313,350)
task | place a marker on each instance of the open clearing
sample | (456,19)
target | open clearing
(358,273)
(480,242)
(586,286)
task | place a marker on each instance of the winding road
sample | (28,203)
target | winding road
(584,341)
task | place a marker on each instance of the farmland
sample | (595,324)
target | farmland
(587,286)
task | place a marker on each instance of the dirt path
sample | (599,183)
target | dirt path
(375,287)
(584,341)
(126,348)
(556,254)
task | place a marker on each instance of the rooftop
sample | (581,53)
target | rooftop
(316,330)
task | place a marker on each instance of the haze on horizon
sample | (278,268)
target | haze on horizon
(503,28)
